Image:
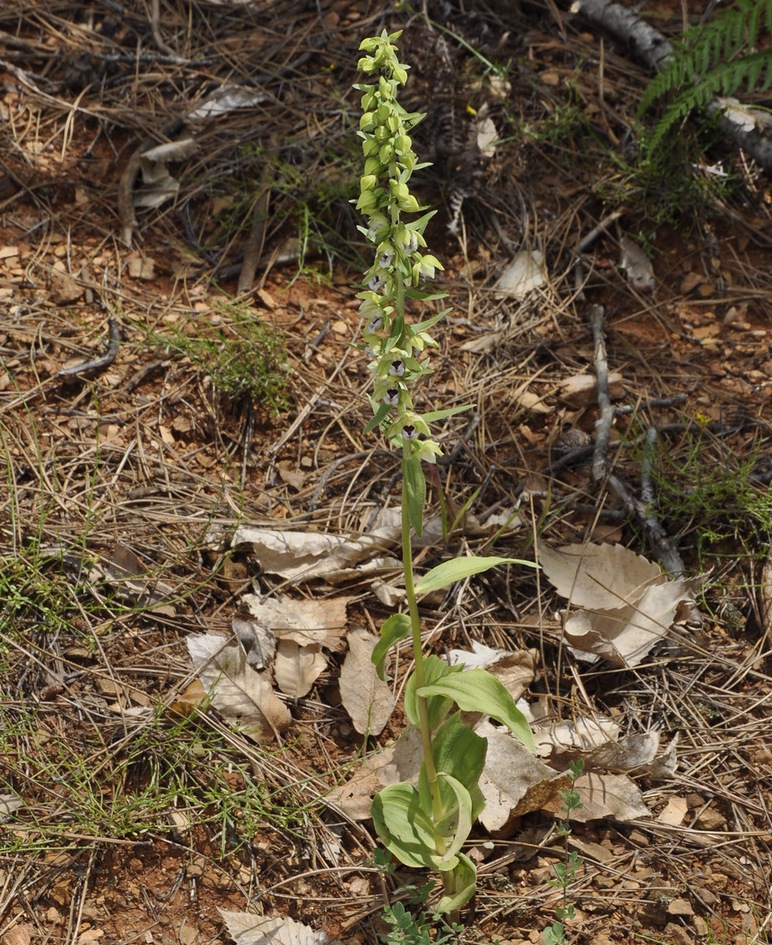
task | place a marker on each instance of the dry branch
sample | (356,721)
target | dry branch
(95,365)
(642,509)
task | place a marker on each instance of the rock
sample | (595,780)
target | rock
(63,288)
(677,934)
(581,390)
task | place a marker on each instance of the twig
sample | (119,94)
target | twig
(129,177)
(96,365)
(586,241)
(626,409)
(450,458)
(603,424)
(253,249)
(642,509)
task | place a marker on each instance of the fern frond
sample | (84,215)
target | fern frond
(721,56)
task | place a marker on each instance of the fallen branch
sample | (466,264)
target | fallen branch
(95,365)
(642,509)
(603,424)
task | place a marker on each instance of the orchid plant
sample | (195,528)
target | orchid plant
(427,825)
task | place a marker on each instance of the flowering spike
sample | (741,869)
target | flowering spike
(398,351)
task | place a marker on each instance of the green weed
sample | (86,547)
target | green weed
(565,872)
(717,504)
(244,357)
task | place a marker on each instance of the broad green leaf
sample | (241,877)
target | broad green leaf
(396,628)
(379,416)
(405,829)
(415,491)
(439,706)
(476,690)
(443,414)
(458,568)
(459,752)
(461,886)
(459,822)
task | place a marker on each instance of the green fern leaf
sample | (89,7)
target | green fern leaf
(720,56)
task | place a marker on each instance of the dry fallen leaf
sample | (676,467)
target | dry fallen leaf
(605,795)
(368,700)
(297,668)
(8,804)
(627,604)
(598,576)
(237,691)
(514,781)
(398,762)
(245,928)
(308,556)
(306,622)
(625,636)
(526,273)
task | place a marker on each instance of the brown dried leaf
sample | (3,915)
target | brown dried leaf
(514,781)
(245,928)
(297,668)
(306,622)
(307,556)
(237,691)
(368,700)
(625,636)
(526,273)
(605,795)
(598,577)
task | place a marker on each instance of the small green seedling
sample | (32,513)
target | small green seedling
(428,825)
(565,872)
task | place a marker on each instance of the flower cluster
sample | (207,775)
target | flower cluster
(396,348)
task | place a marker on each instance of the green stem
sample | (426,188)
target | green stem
(415,623)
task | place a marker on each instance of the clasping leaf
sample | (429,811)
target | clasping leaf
(454,570)
(476,690)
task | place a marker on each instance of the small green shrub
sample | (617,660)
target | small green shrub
(245,358)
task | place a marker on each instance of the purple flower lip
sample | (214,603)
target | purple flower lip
(397,369)
(375,325)
(392,396)
(409,431)
(375,283)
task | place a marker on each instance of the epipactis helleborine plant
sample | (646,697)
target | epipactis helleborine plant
(428,824)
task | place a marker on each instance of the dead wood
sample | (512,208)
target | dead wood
(96,365)
(642,509)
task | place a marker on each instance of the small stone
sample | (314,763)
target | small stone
(711,819)
(677,935)
(64,289)
(680,907)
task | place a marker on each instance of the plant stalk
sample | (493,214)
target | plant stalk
(415,623)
